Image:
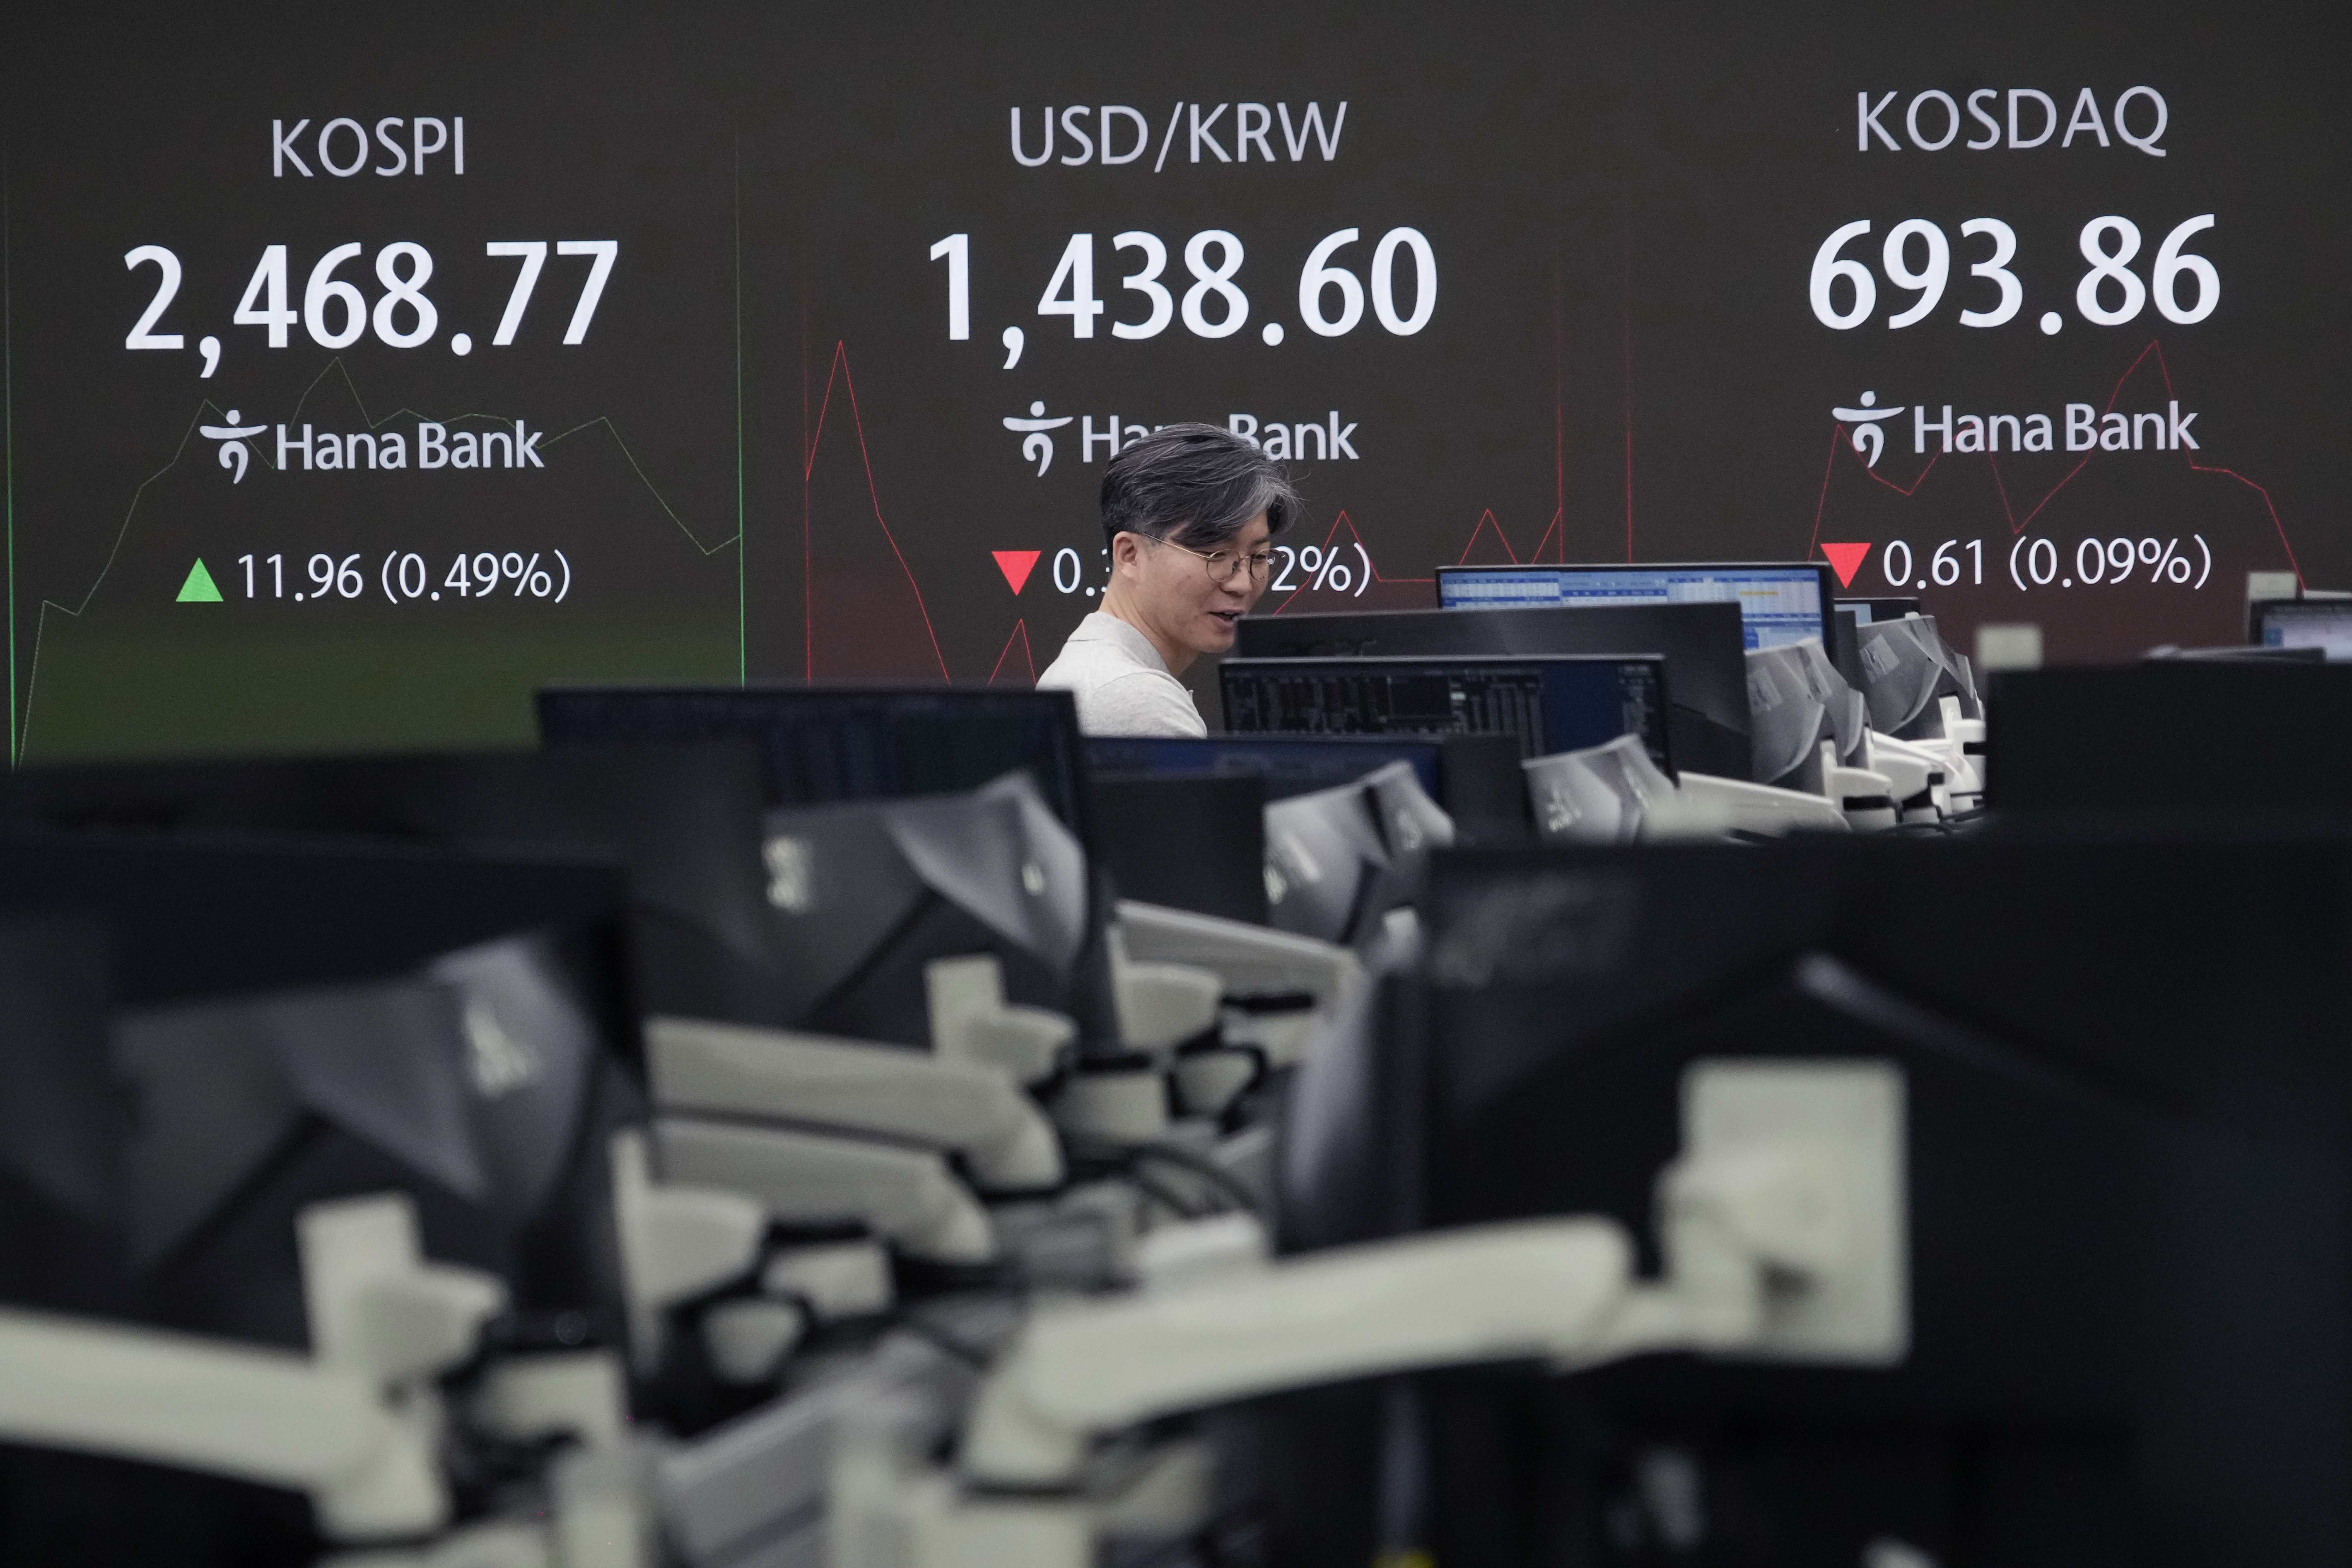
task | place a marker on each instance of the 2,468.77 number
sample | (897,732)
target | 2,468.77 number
(335,313)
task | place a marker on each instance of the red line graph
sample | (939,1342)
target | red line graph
(840,370)
(2017,524)
(1626,305)
(1488,525)
(1487,521)
(1559,376)
(1028,659)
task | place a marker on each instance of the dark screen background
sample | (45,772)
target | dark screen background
(768,460)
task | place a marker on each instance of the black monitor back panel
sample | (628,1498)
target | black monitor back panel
(1557,704)
(868,893)
(189,919)
(682,819)
(63,1120)
(174,922)
(825,744)
(1188,840)
(188,922)
(1703,647)
(2128,1129)
(1477,778)
(1845,650)
(2171,736)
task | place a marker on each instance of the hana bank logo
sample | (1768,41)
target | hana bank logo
(1868,442)
(1038,448)
(234,453)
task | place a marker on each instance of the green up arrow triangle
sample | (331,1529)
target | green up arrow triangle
(198,589)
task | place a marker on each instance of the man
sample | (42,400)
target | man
(1187,513)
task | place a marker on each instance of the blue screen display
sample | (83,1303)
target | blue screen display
(2324,624)
(1778,605)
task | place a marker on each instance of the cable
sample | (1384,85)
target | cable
(970,1355)
(1182,1206)
(1235,1190)
(1208,1546)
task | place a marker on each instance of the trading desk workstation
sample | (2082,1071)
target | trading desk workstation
(1496,1102)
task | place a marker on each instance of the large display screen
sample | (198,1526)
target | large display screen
(366,369)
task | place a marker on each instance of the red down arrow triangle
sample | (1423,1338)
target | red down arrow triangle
(1016,565)
(1845,560)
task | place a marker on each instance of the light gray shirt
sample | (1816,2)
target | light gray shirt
(1121,684)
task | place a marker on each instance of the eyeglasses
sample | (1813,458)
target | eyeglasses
(1224,563)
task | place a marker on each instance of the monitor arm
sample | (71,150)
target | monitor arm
(1252,963)
(973,1108)
(271,1416)
(1247,958)
(352,1423)
(1781,1225)
(1540,1289)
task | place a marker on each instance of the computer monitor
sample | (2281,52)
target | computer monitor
(2239,653)
(1907,670)
(2129,1130)
(63,1121)
(1845,652)
(843,744)
(1865,611)
(1550,704)
(1339,860)
(1780,602)
(303,1023)
(867,894)
(683,818)
(1185,840)
(2172,735)
(203,916)
(1799,700)
(1475,778)
(2324,624)
(1706,667)
(1603,793)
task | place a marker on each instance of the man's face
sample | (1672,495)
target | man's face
(1183,598)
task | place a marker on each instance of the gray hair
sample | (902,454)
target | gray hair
(1201,482)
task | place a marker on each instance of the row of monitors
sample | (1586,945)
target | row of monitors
(1559,657)
(2122,1082)
(2051,1000)
(2182,736)
(1305,722)
(1780,602)
(1528,680)
(1553,678)
(2057,1004)
(1596,652)
(1694,716)
(2072,1145)
(1701,620)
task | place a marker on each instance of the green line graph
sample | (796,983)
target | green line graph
(8,402)
(21,719)
(742,625)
